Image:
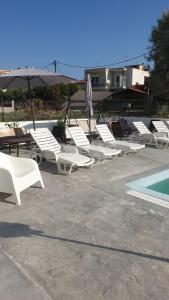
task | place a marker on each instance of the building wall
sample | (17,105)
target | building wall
(104,81)
(120,74)
(138,76)
(7,109)
(107,77)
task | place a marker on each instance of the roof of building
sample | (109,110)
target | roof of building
(97,96)
(78,99)
(4,71)
(137,90)
(138,66)
(96,69)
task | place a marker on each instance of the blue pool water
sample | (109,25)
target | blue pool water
(156,185)
(161,187)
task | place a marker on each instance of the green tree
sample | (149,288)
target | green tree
(59,92)
(159,55)
(66,91)
(44,93)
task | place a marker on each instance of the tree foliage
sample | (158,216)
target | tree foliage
(159,55)
(57,93)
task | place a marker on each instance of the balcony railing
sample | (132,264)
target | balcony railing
(117,85)
(101,85)
(110,85)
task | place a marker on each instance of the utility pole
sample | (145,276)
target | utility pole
(55,65)
(2,108)
(56,87)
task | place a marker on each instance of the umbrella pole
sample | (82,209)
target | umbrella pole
(2,108)
(90,138)
(29,90)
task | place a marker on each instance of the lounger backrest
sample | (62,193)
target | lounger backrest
(93,125)
(105,133)
(83,124)
(45,140)
(160,126)
(78,136)
(142,129)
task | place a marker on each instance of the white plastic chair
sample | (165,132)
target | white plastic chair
(66,158)
(17,174)
(108,138)
(158,139)
(82,143)
(161,127)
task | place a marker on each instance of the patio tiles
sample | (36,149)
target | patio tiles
(83,237)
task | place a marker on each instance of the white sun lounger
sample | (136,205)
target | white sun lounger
(161,127)
(82,143)
(167,122)
(17,174)
(84,124)
(108,138)
(51,150)
(158,139)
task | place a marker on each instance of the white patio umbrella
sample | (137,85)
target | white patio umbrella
(31,77)
(89,106)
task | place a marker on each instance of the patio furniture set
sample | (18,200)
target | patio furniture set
(17,174)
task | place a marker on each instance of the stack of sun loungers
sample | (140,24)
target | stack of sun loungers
(159,139)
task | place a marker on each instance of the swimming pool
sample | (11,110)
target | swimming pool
(156,185)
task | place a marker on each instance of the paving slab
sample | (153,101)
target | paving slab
(15,282)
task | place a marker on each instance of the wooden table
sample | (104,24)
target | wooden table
(16,141)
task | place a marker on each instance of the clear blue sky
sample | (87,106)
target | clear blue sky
(87,33)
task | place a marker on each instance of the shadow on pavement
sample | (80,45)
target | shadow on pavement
(13,230)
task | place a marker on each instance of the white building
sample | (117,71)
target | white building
(117,78)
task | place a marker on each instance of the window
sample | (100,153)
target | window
(117,84)
(95,81)
(124,80)
(116,81)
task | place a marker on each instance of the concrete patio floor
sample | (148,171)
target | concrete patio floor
(84,238)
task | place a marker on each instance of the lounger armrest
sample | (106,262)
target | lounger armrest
(110,145)
(134,136)
(69,149)
(148,135)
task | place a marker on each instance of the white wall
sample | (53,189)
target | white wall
(138,76)
(39,124)
(7,109)
(49,124)
(108,79)
(29,125)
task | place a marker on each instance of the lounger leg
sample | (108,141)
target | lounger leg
(166,145)
(63,170)
(70,169)
(34,154)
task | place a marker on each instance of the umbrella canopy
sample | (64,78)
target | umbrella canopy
(31,77)
(23,77)
(89,106)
